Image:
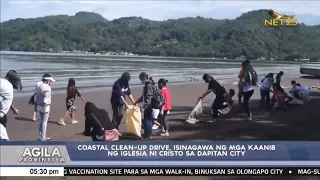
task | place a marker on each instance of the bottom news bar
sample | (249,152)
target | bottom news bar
(69,171)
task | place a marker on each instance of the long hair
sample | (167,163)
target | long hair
(14,78)
(248,69)
(124,79)
(71,88)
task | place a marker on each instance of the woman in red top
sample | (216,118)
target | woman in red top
(166,107)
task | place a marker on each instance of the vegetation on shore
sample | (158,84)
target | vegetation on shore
(194,37)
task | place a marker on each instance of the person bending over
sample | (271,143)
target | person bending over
(215,87)
(7,85)
(96,122)
(265,90)
(120,90)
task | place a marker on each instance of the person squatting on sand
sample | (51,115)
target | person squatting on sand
(215,87)
(250,81)
(152,99)
(265,90)
(43,97)
(7,85)
(72,93)
(120,90)
(166,108)
(299,92)
(97,121)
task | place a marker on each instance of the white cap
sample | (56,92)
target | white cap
(49,78)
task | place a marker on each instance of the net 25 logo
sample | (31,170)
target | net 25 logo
(41,155)
(280,20)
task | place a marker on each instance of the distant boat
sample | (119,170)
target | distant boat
(312,69)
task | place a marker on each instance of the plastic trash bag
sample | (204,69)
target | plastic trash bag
(133,120)
(198,109)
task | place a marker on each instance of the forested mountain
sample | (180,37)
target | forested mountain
(193,37)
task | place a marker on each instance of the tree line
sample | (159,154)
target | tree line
(186,37)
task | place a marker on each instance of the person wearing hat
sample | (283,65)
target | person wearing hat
(8,84)
(120,90)
(43,98)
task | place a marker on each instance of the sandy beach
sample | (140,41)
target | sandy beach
(298,123)
(184,96)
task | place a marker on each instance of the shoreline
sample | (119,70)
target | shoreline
(133,56)
(227,81)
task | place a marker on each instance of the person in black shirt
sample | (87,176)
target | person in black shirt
(96,122)
(278,79)
(215,87)
(120,90)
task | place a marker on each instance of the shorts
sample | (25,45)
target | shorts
(35,108)
(155,113)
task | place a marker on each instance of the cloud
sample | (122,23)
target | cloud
(155,10)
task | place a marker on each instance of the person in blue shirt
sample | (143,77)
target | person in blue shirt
(120,90)
(265,90)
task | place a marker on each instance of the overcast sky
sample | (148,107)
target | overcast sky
(305,11)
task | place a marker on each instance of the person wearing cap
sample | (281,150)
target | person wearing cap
(215,87)
(146,98)
(120,90)
(7,85)
(43,98)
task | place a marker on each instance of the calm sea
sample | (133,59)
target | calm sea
(101,71)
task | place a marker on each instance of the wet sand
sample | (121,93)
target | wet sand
(298,123)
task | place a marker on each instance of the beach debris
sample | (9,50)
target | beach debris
(198,109)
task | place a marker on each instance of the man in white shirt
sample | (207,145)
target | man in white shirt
(10,82)
(3,133)
(43,98)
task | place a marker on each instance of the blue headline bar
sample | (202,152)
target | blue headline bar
(186,151)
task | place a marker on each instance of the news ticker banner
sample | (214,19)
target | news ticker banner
(146,154)
(173,171)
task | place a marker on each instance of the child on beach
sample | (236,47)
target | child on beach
(72,92)
(166,108)
(279,97)
(155,112)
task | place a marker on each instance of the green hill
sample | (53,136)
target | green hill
(193,37)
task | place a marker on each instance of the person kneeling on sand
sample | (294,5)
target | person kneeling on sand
(215,87)
(98,124)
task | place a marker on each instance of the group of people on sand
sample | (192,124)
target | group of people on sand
(248,80)
(156,104)
(155,99)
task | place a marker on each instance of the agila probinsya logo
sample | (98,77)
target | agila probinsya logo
(41,155)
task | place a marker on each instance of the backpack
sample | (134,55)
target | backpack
(251,77)
(157,101)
